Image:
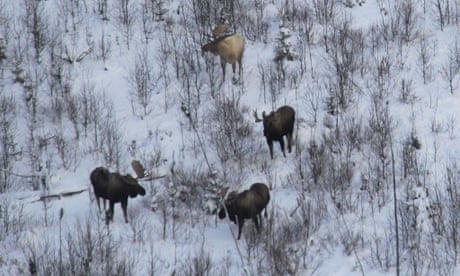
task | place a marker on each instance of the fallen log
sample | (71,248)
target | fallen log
(60,195)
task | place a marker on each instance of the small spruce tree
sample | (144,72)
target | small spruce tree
(284,48)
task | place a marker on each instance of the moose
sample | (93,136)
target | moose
(248,204)
(230,48)
(115,188)
(278,124)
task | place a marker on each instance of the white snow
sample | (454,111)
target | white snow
(347,229)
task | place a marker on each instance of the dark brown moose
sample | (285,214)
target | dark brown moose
(248,204)
(277,124)
(230,49)
(115,188)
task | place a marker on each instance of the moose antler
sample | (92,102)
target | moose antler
(138,168)
(140,172)
(220,29)
(257,117)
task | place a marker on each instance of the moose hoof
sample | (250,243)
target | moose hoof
(108,216)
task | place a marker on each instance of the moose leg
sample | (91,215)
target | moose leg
(256,222)
(289,136)
(240,226)
(98,204)
(259,216)
(270,146)
(282,146)
(234,79)
(222,64)
(124,207)
(240,68)
(109,213)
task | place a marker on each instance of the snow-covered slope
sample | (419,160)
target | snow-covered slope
(370,188)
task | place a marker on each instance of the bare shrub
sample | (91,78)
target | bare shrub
(193,189)
(317,159)
(91,109)
(409,156)
(147,20)
(212,74)
(163,61)
(127,14)
(411,236)
(407,93)
(400,22)
(37,136)
(67,152)
(272,78)
(12,219)
(138,225)
(345,60)
(37,26)
(186,189)
(91,248)
(340,144)
(313,102)
(71,13)
(41,258)
(188,75)
(338,183)
(378,133)
(303,18)
(446,12)
(407,13)
(445,210)
(230,130)
(99,120)
(252,20)
(9,149)
(325,12)
(81,247)
(286,239)
(111,142)
(104,47)
(450,69)
(143,85)
(426,53)
(280,246)
(382,253)
(153,258)
(200,264)
(204,14)
(102,9)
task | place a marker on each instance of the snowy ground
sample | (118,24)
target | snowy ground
(332,199)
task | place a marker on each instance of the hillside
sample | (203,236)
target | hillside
(371,186)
